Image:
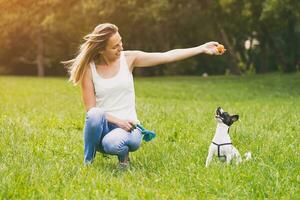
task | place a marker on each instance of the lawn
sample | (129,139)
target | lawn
(41,146)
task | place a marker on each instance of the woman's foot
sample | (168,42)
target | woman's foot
(123,166)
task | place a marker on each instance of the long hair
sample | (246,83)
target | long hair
(89,50)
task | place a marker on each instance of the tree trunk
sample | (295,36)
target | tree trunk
(234,57)
(292,46)
(277,50)
(249,53)
(263,68)
(40,55)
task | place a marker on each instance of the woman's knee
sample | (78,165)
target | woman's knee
(95,116)
(118,139)
(135,140)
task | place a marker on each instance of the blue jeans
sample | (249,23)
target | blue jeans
(105,137)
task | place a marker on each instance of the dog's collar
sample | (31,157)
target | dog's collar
(219,145)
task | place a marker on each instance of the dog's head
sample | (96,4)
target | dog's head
(224,117)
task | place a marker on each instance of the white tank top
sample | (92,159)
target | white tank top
(116,95)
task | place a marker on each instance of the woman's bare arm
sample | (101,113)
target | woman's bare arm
(144,59)
(88,91)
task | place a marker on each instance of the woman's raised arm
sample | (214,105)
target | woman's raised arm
(144,59)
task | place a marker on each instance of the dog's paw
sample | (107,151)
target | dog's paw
(248,155)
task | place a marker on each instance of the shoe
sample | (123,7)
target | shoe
(105,156)
(87,163)
(123,166)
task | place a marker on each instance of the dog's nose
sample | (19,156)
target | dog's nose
(218,111)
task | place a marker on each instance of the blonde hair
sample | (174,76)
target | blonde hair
(89,50)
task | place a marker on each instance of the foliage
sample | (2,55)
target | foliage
(49,31)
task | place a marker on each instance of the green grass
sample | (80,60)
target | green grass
(41,146)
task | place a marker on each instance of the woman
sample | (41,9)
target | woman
(104,71)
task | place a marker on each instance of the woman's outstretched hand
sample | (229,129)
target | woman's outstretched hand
(213,48)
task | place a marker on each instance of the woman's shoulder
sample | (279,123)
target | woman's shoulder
(87,75)
(130,56)
(130,53)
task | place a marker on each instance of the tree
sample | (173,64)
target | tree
(280,22)
(33,20)
(43,33)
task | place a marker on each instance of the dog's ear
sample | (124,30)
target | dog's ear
(234,118)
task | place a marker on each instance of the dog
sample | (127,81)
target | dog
(221,144)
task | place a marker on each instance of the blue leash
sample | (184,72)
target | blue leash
(148,135)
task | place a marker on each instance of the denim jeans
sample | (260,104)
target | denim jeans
(100,135)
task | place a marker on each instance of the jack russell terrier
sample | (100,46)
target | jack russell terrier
(221,144)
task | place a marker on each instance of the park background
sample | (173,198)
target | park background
(260,36)
(41,119)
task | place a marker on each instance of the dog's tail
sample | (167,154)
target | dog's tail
(248,155)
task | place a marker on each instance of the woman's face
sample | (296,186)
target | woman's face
(113,48)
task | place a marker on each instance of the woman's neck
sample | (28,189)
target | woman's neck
(105,61)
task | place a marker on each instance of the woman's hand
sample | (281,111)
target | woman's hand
(210,48)
(127,125)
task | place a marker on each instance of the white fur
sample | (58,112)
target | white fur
(221,137)
(248,155)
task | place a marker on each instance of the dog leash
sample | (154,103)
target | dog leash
(219,146)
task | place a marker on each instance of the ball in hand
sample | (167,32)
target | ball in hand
(220,48)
